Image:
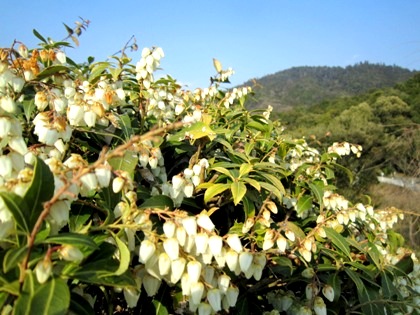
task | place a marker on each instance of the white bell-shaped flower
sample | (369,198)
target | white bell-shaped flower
(205,222)
(196,292)
(194,270)
(215,244)
(147,249)
(171,247)
(151,284)
(215,299)
(245,261)
(177,269)
(234,242)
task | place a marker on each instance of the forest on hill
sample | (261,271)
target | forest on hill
(306,86)
(386,123)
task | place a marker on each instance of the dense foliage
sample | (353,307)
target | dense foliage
(307,86)
(121,192)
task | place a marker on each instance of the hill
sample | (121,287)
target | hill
(307,86)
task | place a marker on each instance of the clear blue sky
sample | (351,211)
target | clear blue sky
(254,37)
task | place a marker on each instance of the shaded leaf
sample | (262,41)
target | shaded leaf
(79,305)
(304,203)
(388,287)
(15,204)
(124,258)
(40,190)
(13,257)
(72,239)
(160,309)
(157,202)
(47,72)
(317,188)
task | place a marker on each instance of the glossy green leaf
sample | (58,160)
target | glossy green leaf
(387,284)
(124,257)
(354,276)
(371,302)
(49,71)
(303,204)
(160,309)
(214,190)
(274,181)
(72,239)
(249,207)
(295,229)
(317,188)
(40,190)
(338,241)
(375,255)
(50,298)
(124,122)
(127,162)
(16,205)
(13,257)
(157,202)
(238,191)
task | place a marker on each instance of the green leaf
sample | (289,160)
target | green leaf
(68,29)
(375,255)
(40,37)
(13,257)
(282,265)
(158,202)
(124,257)
(252,182)
(72,239)
(368,298)
(304,203)
(274,181)
(317,188)
(249,207)
(15,205)
(356,279)
(388,287)
(238,191)
(124,123)
(49,71)
(50,298)
(98,70)
(338,241)
(300,235)
(79,305)
(214,190)
(272,189)
(127,162)
(245,169)
(160,309)
(335,282)
(224,171)
(40,190)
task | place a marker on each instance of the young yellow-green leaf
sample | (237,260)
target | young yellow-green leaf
(252,182)
(223,171)
(217,65)
(238,191)
(272,189)
(245,169)
(215,190)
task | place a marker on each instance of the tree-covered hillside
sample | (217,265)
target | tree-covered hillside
(310,85)
(386,122)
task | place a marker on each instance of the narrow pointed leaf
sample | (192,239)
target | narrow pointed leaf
(160,309)
(16,205)
(40,190)
(72,239)
(338,241)
(245,169)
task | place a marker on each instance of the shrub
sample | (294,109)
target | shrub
(125,193)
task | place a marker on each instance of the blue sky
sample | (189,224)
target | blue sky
(255,38)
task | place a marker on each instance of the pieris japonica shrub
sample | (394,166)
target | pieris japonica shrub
(121,192)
